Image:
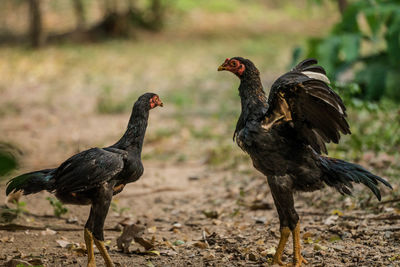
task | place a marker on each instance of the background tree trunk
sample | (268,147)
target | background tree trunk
(342,6)
(157,10)
(80,14)
(109,7)
(131,5)
(35,26)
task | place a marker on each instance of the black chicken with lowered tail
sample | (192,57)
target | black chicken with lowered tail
(93,176)
(285,135)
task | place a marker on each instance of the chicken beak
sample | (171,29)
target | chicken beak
(221,68)
(161,104)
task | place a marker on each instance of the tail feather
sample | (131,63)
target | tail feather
(340,174)
(30,183)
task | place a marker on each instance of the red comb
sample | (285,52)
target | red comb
(227,59)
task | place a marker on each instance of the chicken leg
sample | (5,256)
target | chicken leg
(285,233)
(95,224)
(288,218)
(89,247)
(104,253)
(297,258)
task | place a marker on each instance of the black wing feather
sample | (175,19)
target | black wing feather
(305,63)
(318,69)
(88,169)
(318,113)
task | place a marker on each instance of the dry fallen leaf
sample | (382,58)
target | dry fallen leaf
(48,232)
(168,252)
(144,243)
(318,247)
(7,239)
(176,226)
(80,252)
(252,257)
(261,205)
(216,222)
(307,235)
(36,262)
(152,230)
(260,242)
(331,219)
(154,252)
(16,262)
(211,214)
(201,245)
(308,240)
(269,252)
(208,255)
(63,243)
(132,232)
(337,212)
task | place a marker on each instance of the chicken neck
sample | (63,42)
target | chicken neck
(253,99)
(132,140)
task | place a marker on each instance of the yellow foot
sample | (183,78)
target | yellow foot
(285,232)
(279,262)
(91,263)
(297,262)
(103,251)
(89,246)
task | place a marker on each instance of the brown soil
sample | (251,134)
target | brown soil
(236,234)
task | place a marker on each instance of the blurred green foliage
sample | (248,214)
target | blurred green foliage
(58,207)
(8,215)
(8,162)
(209,5)
(377,129)
(366,45)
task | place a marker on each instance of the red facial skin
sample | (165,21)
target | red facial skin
(234,66)
(155,102)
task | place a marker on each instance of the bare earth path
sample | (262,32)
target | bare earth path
(182,204)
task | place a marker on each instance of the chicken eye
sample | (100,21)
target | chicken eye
(233,63)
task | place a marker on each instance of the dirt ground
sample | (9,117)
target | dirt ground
(198,217)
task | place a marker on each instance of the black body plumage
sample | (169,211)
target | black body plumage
(286,133)
(95,175)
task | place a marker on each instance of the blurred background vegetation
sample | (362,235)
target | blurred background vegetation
(70,71)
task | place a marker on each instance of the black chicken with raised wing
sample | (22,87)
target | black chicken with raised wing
(285,135)
(93,176)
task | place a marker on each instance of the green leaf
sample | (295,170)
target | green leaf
(349,21)
(328,53)
(178,243)
(374,20)
(371,56)
(393,84)
(373,77)
(334,238)
(8,162)
(350,46)
(393,39)
(312,47)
